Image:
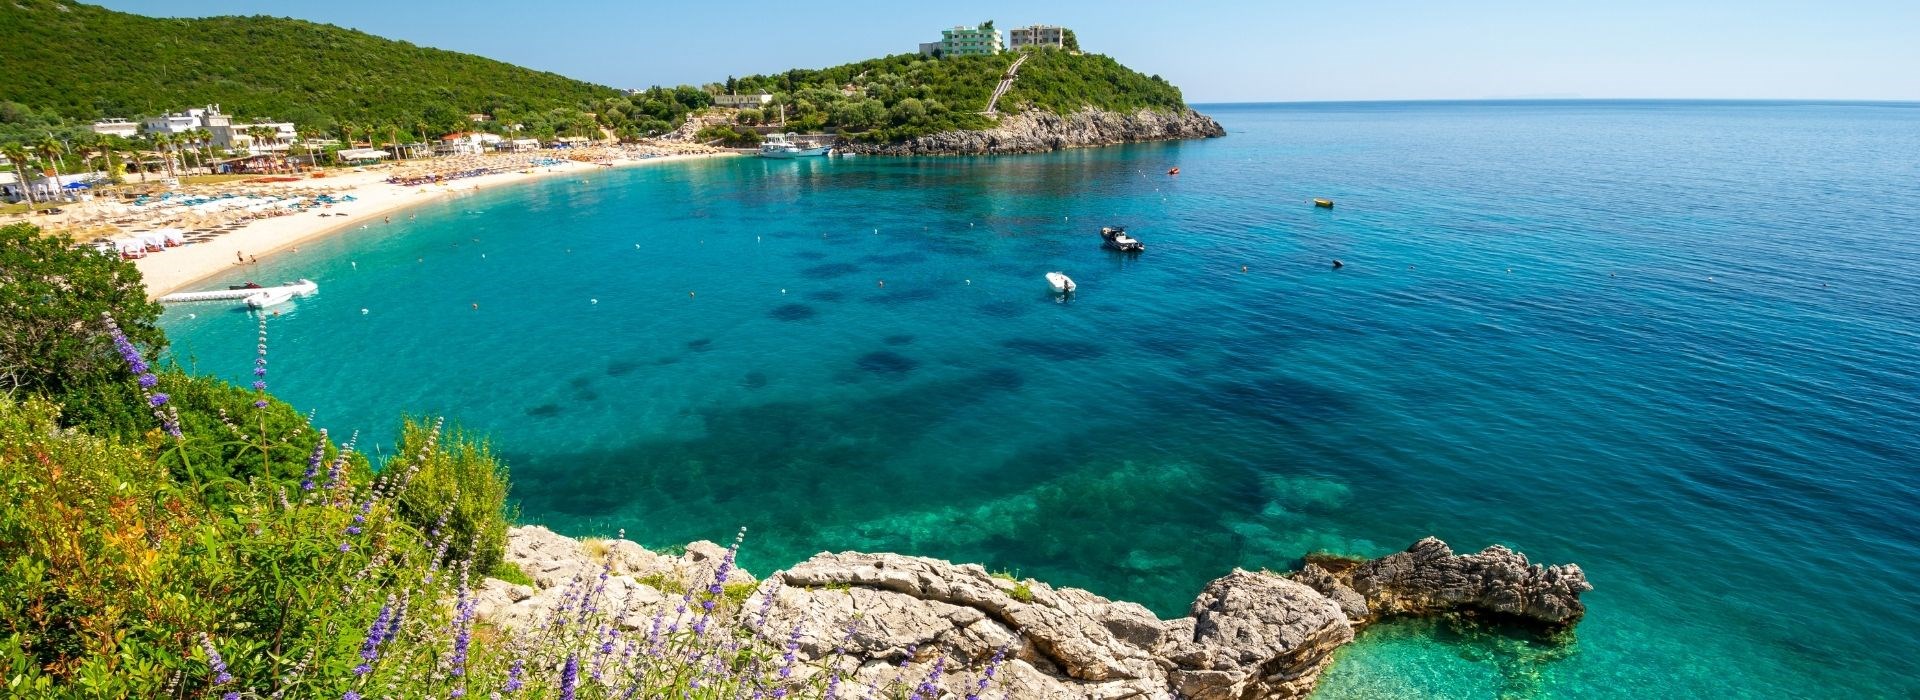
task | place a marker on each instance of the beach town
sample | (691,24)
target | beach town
(182,220)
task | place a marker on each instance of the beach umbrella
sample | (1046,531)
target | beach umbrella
(77,186)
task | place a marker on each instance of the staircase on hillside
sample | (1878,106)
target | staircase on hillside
(993,105)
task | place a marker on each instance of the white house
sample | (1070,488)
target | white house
(235,137)
(466,143)
(116,127)
(208,118)
(742,101)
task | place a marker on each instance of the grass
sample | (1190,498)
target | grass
(511,573)
(663,583)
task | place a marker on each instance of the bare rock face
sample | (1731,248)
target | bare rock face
(1037,131)
(885,620)
(1429,579)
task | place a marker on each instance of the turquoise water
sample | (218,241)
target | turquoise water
(1672,342)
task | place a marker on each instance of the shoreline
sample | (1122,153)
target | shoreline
(177,268)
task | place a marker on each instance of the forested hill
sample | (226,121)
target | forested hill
(85,62)
(908,95)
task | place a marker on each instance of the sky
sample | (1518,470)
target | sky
(1242,51)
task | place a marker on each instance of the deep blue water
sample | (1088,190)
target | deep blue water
(1672,342)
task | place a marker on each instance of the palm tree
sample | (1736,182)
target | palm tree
(162,143)
(50,151)
(134,156)
(422,126)
(18,155)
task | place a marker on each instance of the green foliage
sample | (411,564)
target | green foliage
(733,136)
(89,62)
(1022,592)
(461,483)
(51,298)
(511,573)
(908,95)
(660,581)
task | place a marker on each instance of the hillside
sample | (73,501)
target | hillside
(907,95)
(84,62)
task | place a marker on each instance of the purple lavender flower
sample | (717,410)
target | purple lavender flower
(513,677)
(214,662)
(157,400)
(793,647)
(169,419)
(370,648)
(986,678)
(313,462)
(147,381)
(260,366)
(344,547)
(231,695)
(569,677)
(350,695)
(929,688)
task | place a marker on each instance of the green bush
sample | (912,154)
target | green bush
(457,478)
(51,298)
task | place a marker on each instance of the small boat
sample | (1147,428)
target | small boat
(1117,239)
(1323,202)
(249,285)
(270,297)
(1061,283)
(783,146)
(1173,171)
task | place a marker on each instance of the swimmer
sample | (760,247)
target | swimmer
(882,283)
(476,306)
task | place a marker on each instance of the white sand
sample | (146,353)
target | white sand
(374,199)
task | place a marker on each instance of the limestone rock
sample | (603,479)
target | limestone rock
(1036,131)
(1256,635)
(1428,578)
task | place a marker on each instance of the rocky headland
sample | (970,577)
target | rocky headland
(1036,131)
(884,617)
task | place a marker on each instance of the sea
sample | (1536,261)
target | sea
(1676,343)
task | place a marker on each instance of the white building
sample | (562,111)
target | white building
(235,137)
(742,101)
(1037,35)
(116,127)
(208,118)
(466,143)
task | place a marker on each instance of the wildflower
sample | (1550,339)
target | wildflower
(569,677)
(370,648)
(986,678)
(350,695)
(147,381)
(169,419)
(793,647)
(513,676)
(260,366)
(231,695)
(157,400)
(214,662)
(929,688)
(344,547)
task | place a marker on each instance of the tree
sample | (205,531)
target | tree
(51,298)
(17,154)
(50,151)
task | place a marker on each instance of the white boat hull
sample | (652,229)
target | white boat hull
(796,152)
(1061,284)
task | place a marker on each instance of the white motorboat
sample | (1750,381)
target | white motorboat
(783,146)
(1061,283)
(270,297)
(245,292)
(1117,239)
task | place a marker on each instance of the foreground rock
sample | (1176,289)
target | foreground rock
(1430,579)
(1038,131)
(892,617)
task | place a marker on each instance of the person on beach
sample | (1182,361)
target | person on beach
(238,258)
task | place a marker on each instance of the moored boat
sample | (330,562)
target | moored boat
(1061,283)
(1117,239)
(784,146)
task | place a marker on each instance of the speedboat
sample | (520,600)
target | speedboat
(1061,283)
(783,146)
(1117,239)
(270,297)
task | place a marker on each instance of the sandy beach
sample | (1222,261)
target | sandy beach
(375,199)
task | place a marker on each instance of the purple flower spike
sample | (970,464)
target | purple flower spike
(157,400)
(569,677)
(214,662)
(147,381)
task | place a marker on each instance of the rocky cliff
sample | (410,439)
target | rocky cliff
(1037,131)
(882,617)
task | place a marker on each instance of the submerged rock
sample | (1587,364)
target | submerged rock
(1036,131)
(1247,635)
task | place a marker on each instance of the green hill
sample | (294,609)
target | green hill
(83,62)
(909,95)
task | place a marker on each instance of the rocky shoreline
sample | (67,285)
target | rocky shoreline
(1247,635)
(1038,131)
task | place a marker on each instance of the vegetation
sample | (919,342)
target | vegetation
(734,136)
(910,95)
(164,535)
(48,291)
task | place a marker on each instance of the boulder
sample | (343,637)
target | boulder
(1036,131)
(1428,578)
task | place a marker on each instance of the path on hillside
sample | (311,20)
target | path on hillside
(1005,83)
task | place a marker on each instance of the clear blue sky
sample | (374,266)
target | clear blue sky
(1216,51)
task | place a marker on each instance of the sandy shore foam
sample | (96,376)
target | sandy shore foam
(374,199)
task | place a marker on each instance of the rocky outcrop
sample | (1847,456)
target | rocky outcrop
(884,618)
(1037,131)
(1430,579)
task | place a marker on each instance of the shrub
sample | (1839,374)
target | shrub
(457,492)
(51,298)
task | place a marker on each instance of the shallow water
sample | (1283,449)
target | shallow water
(1672,342)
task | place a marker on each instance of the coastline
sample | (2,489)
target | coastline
(374,198)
